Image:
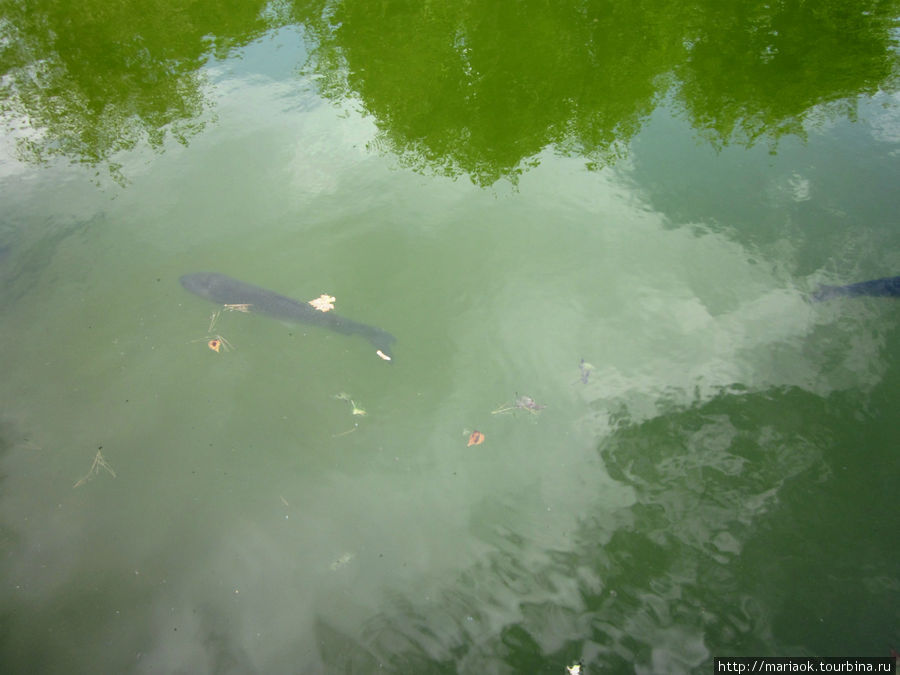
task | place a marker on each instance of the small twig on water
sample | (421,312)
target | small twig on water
(99,463)
(521,403)
(354,409)
(212,321)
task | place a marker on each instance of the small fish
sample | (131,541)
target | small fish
(520,403)
(585,369)
(528,403)
(886,288)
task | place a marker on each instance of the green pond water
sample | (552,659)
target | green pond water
(620,210)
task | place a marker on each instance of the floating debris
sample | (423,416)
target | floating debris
(215,341)
(521,403)
(527,403)
(354,409)
(382,355)
(475,438)
(574,669)
(213,318)
(586,369)
(324,303)
(341,562)
(239,307)
(99,463)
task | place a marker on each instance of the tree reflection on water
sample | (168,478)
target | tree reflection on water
(474,89)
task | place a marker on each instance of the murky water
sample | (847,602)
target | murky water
(712,473)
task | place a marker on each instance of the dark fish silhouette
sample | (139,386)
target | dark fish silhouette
(227,291)
(887,287)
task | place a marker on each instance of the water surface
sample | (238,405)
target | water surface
(509,192)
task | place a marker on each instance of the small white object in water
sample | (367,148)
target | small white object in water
(382,355)
(574,669)
(324,303)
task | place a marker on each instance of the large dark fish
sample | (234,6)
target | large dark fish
(227,291)
(887,287)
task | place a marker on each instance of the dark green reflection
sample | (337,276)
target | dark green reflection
(755,511)
(756,69)
(461,88)
(480,88)
(96,77)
